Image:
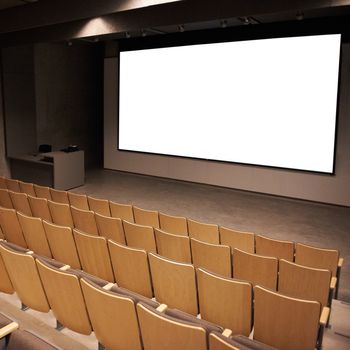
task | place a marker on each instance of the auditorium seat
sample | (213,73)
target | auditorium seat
(5,282)
(140,236)
(146,217)
(173,224)
(121,211)
(42,192)
(176,247)
(256,269)
(79,201)
(225,301)
(60,213)
(100,206)
(213,257)
(62,244)
(204,232)
(10,227)
(174,283)
(273,247)
(20,202)
(59,196)
(111,228)
(34,234)
(236,239)
(131,268)
(3,183)
(94,255)
(40,208)
(12,185)
(287,323)
(5,199)
(84,220)
(27,188)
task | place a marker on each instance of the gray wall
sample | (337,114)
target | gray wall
(4,169)
(310,186)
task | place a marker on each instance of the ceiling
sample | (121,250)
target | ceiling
(5,4)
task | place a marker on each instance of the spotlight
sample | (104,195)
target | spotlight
(127,35)
(181,28)
(223,23)
(69,43)
(299,16)
(143,33)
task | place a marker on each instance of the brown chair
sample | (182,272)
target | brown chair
(59,196)
(121,211)
(111,228)
(174,283)
(42,192)
(319,258)
(39,208)
(84,220)
(79,201)
(5,282)
(20,202)
(12,185)
(11,228)
(171,246)
(140,236)
(27,188)
(176,225)
(204,232)
(100,206)
(62,244)
(5,199)
(257,269)
(287,323)
(3,183)
(61,214)
(131,268)
(213,257)
(146,217)
(225,301)
(236,239)
(94,255)
(272,247)
(34,234)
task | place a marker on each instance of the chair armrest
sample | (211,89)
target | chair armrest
(4,331)
(324,315)
(162,308)
(108,286)
(65,268)
(333,283)
(340,262)
(227,333)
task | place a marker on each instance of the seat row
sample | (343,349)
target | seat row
(122,319)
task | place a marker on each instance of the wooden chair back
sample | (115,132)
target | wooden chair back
(5,282)
(146,217)
(256,269)
(140,236)
(131,268)
(273,247)
(174,283)
(3,183)
(27,188)
(39,208)
(11,228)
(99,206)
(5,199)
(204,232)
(237,239)
(12,185)
(20,202)
(121,211)
(79,201)
(217,342)
(213,257)
(111,228)
(173,224)
(59,196)
(62,244)
(84,220)
(175,247)
(42,192)
(60,214)
(225,301)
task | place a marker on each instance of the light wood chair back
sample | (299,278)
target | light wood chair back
(304,282)
(11,228)
(94,255)
(27,188)
(12,185)
(219,343)
(273,247)
(59,196)
(20,202)
(317,257)
(146,217)
(39,208)
(100,206)
(174,283)
(131,268)
(113,318)
(225,301)
(79,201)
(60,214)
(111,228)
(213,257)
(3,183)
(42,192)
(175,247)
(237,239)
(139,236)
(159,332)
(121,211)
(5,282)
(84,220)
(256,269)
(284,322)
(34,234)
(5,199)
(62,244)
(204,232)
(65,297)
(25,279)
(176,225)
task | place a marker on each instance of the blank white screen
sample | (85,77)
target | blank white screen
(267,102)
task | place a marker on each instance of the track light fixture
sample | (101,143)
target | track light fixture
(223,23)
(181,28)
(127,35)
(143,32)
(299,15)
